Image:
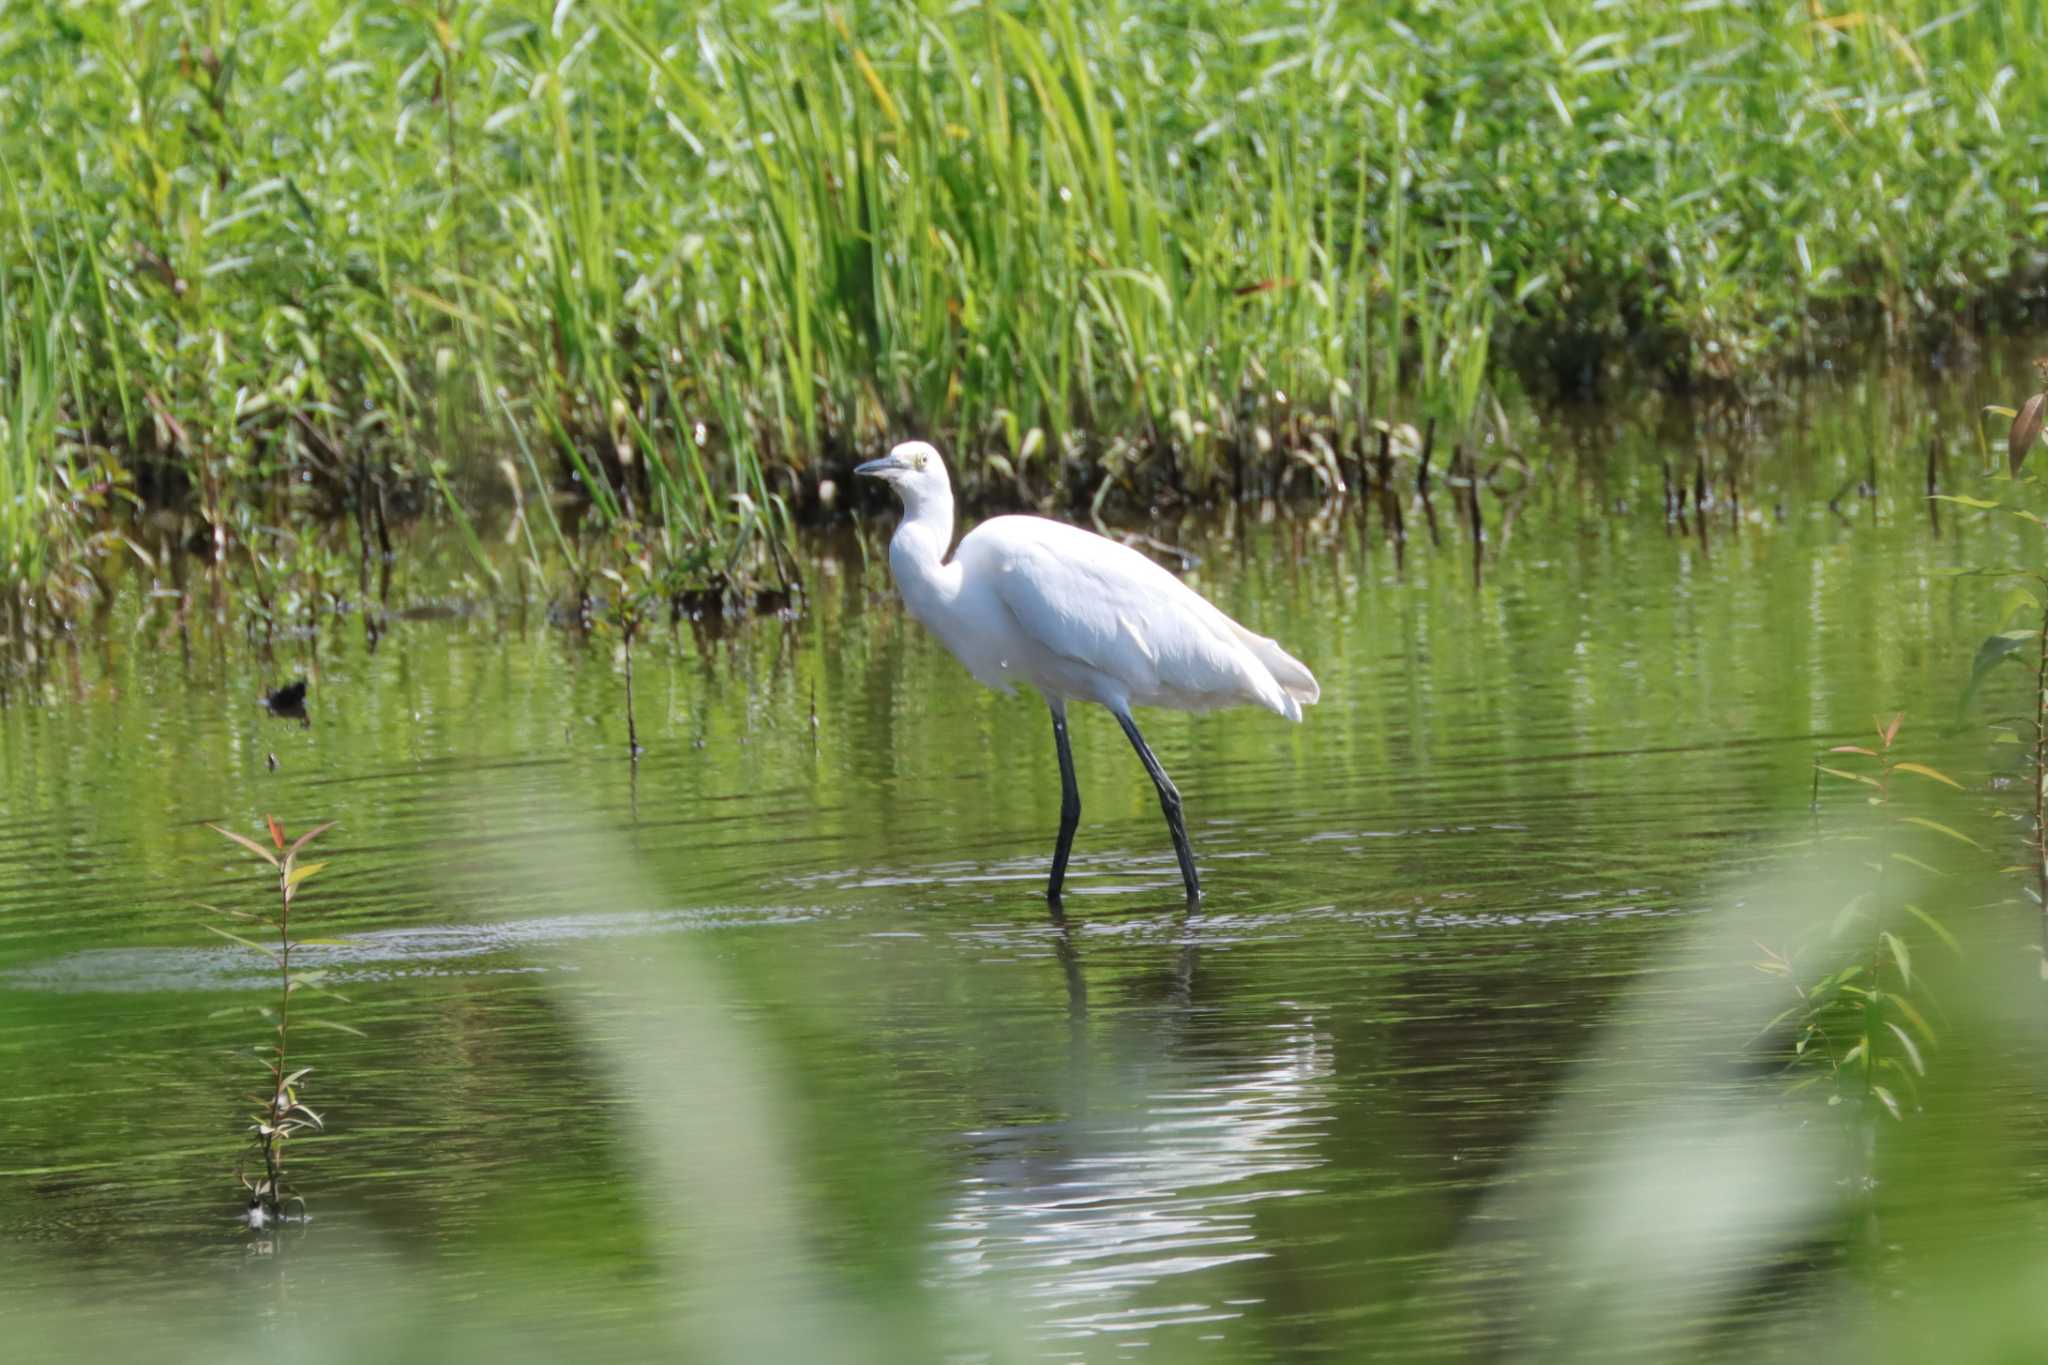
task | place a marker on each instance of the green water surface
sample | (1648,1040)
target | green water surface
(769,1048)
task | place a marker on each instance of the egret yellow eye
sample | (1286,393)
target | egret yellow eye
(917,461)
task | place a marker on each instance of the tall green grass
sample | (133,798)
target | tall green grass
(687,261)
(33,463)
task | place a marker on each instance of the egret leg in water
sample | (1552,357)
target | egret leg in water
(1080,618)
(1169,801)
(1070,800)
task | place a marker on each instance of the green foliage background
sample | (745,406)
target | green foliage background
(674,255)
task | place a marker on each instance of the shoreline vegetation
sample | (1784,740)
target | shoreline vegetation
(653,279)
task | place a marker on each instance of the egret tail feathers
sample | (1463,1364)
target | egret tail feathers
(1296,682)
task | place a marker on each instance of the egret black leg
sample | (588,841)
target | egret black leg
(1070,803)
(1169,801)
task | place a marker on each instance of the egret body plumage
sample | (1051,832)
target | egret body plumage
(1078,617)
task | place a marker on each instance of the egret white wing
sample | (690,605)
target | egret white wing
(1118,615)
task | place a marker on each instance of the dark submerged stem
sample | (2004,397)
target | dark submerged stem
(1701,503)
(632,731)
(1390,502)
(1933,484)
(1436,539)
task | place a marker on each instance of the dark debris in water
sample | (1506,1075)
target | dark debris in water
(288,701)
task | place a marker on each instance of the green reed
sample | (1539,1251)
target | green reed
(34,465)
(683,266)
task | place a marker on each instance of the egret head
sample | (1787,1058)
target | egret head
(916,472)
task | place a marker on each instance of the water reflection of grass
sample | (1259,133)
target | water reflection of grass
(685,267)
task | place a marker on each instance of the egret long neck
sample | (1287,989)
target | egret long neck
(917,555)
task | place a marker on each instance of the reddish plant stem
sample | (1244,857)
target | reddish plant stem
(273,1157)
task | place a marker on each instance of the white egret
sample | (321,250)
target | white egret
(1079,618)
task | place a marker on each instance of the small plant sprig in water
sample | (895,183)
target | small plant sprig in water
(284,1114)
(628,611)
(2027,643)
(1862,1019)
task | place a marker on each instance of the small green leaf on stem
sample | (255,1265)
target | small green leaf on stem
(2007,644)
(1780,1017)
(237,938)
(1910,861)
(1911,1016)
(1900,954)
(1924,771)
(1911,1048)
(329,1023)
(1936,927)
(1939,828)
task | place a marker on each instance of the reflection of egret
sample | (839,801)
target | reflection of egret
(1157,1175)
(1080,618)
